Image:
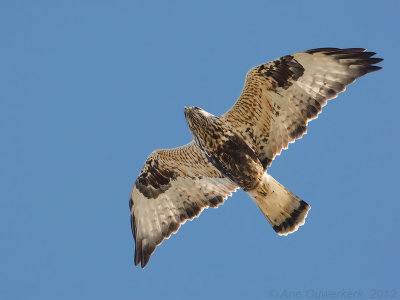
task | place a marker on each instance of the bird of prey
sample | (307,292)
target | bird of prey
(234,150)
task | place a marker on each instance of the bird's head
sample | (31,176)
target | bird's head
(197,118)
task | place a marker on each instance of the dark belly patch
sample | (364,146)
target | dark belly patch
(237,161)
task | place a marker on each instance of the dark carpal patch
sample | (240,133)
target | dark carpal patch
(154,180)
(283,71)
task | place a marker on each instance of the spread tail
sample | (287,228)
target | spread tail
(283,210)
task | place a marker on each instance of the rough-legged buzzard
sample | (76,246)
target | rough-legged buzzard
(234,150)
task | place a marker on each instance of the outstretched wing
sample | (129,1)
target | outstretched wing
(280,97)
(174,185)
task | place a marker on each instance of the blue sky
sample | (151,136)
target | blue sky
(89,88)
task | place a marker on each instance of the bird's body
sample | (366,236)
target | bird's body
(224,148)
(234,150)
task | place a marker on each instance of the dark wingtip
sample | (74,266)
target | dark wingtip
(373,69)
(354,50)
(137,256)
(145,258)
(144,263)
(357,57)
(326,49)
(142,257)
(335,50)
(329,50)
